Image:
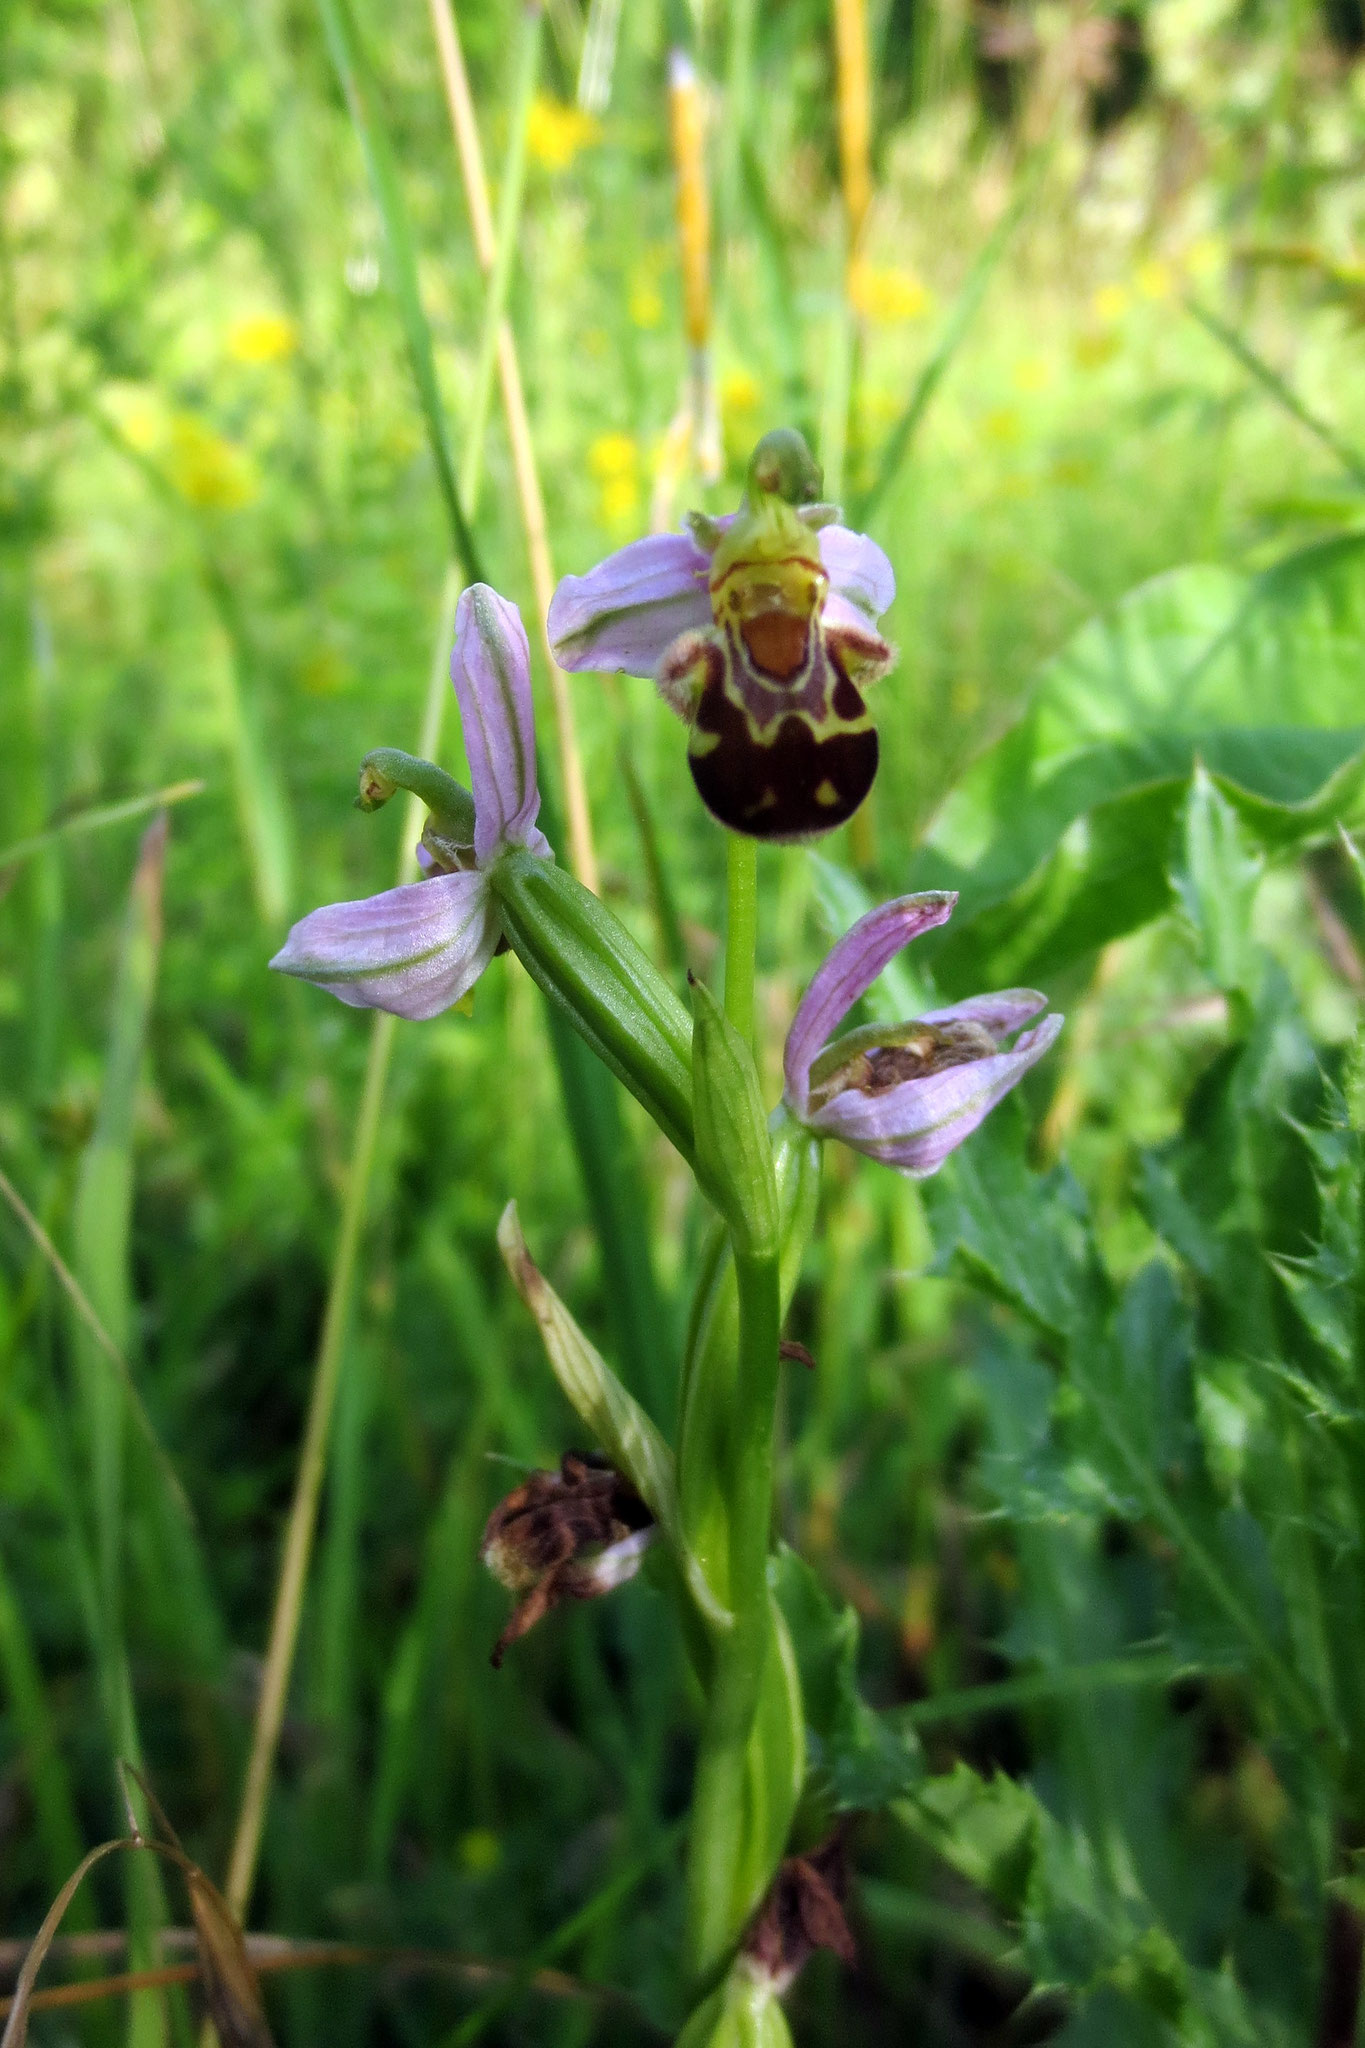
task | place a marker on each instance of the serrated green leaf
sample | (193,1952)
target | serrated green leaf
(1216,878)
(861,1761)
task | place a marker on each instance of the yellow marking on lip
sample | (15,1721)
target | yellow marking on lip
(827,794)
(748,563)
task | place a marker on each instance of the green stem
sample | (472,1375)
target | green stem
(717,1907)
(741,932)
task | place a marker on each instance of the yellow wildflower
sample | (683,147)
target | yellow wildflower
(645,305)
(614,461)
(138,414)
(262,338)
(1033,374)
(740,392)
(1001,425)
(1110,302)
(208,470)
(1155,279)
(555,132)
(1094,347)
(620,496)
(1204,257)
(323,672)
(884,294)
(612,456)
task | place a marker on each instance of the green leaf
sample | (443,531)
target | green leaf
(986,1828)
(859,1760)
(621,1426)
(1060,837)
(1216,881)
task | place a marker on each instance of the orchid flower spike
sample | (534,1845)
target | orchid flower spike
(417,949)
(760,630)
(906,1094)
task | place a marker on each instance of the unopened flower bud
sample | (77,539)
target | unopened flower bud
(782,466)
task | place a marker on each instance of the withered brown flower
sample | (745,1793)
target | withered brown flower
(803,1911)
(568,1535)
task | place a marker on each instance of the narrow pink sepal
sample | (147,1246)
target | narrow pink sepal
(847,972)
(859,573)
(491,670)
(413,951)
(915,1126)
(625,612)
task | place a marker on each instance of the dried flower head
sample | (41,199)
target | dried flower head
(803,1911)
(568,1535)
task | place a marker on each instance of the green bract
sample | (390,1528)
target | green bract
(734,1158)
(588,964)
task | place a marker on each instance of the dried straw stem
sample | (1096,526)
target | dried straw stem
(582,852)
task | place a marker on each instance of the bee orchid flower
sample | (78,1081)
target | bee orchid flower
(418,949)
(907,1094)
(760,630)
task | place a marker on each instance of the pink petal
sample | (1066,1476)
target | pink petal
(859,575)
(915,1126)
(847,972)
(1001,1013)
(491,670)
(414,950)
(625,613)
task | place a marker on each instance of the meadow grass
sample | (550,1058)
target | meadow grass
(224,562)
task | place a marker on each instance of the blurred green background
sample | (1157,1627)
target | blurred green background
(1129,240)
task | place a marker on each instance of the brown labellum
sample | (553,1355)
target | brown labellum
(782,744)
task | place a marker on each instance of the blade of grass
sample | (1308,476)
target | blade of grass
(257,792)
(96,820)
(433,1661)
(362,98)
(80,1303)
(40,1752)
(530,499)
(955,329)
(1270,380)
(604,1901)
(272,1954)
(611,1178)
(1035,1688)
(303,1512)
(101,1231)
(525,72)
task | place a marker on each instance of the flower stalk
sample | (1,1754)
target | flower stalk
(774,611)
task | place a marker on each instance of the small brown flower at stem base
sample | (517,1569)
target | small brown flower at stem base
(568,1535)
(793,1353)
(804,1911)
